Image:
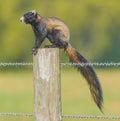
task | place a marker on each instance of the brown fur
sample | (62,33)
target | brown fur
(38,19)
(55,24)
(72,54)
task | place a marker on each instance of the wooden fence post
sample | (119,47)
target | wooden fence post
(47,86)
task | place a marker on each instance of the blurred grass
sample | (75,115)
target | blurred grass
(16,93)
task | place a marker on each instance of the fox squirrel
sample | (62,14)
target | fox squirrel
(58,34)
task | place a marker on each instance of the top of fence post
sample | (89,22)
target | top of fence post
(47,89)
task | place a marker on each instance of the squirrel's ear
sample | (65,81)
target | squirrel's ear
(34,12)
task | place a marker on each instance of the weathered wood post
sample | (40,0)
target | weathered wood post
(47,86)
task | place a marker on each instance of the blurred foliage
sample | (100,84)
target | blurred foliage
(94,27)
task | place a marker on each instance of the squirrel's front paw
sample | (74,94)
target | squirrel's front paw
(34,51)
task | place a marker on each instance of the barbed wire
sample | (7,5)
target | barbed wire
(97,64)
(16,114)
(16,64)
(2,114)
(90,117)
(101,64)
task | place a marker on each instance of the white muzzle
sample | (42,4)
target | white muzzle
(22,19)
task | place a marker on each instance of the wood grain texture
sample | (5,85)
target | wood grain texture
(47,86)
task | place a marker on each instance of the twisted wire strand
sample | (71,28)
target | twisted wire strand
(90,117)
(101,64)
(61,117)
(15,64)
(16,114)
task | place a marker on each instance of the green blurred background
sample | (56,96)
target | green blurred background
(94,27)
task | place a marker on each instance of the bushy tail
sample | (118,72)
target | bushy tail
(88,73)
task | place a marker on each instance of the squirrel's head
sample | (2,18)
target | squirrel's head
(30,17)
